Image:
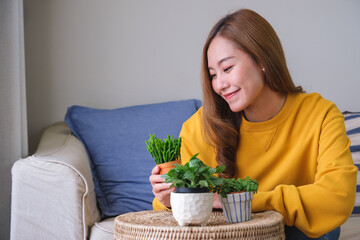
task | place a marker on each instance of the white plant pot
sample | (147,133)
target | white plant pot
(237,206)
(191,208)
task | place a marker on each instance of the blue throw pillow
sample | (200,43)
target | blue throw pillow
(115,141)
(352,124)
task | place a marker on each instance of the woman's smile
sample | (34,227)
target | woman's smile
(228,96)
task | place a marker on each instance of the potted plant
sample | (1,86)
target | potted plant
(164,152)
(236,197)
(192,201)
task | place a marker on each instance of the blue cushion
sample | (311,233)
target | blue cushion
(352,124)
(115,141)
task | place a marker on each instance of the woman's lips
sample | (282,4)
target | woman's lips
(230,95)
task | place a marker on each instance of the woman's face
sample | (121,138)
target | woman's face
(235,76)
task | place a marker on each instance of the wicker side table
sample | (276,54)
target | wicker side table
(162,225)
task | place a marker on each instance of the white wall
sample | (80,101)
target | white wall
(113,53)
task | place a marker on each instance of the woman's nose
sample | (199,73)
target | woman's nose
(222,82)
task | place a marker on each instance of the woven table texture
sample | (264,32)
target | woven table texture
(161,225)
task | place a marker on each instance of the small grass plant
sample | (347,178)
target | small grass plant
(163,150)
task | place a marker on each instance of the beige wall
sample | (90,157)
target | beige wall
(115,53)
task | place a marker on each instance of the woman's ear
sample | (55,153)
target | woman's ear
(262,68)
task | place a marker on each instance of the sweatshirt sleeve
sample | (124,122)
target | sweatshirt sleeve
(320,207)
(157,205)
(193,141)
(188,131)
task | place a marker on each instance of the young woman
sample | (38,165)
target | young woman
(258,123)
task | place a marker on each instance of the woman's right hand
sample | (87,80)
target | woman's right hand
(160,189)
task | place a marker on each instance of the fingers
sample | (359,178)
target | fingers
(155,179)
(160,189)
(163,195)
(216,202)
(155,170)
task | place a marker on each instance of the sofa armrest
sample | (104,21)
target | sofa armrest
(350,229)
(53,191)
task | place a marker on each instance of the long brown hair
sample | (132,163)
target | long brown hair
(254,35)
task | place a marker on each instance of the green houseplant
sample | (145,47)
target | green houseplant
(232,185)
(194,176)
(165,152)
(236,196)
(192,200)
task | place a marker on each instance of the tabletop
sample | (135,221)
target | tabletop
(160,224)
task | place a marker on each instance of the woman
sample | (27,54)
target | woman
(258,123)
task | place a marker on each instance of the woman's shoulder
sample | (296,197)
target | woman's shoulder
(312,97)
(314,100)
(193,128)
(315,104)
(193,140)
(195,119)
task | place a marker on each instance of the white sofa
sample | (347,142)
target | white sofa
(53,193)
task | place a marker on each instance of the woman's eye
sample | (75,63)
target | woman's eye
(228,69)
(212,76)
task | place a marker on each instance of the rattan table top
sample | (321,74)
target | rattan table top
(162,225)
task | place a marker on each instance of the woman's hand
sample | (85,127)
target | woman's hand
(160,189)
(216,202)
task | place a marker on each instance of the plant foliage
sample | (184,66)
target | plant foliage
(163,151)
(236,185)
(194,174)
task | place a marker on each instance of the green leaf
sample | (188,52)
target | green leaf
(173,174)
(177,181)
(192,169)
(169,180)
(194,156)
(217,181)
(179,168)
(212,170)
(189,175)
(220,169)
(202,169)
(194,163)
(165,176)
(203,183)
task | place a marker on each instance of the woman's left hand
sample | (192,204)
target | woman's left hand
(216,202)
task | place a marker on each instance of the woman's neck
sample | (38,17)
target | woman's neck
(266,107)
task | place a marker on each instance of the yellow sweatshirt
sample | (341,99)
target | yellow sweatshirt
(301,159)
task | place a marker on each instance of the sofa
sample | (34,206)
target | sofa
(94,166)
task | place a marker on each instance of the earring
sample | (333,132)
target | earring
(263,69)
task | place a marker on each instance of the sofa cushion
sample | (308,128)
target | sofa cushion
(350,229)
(352,124)
(103,230)
(115,142)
